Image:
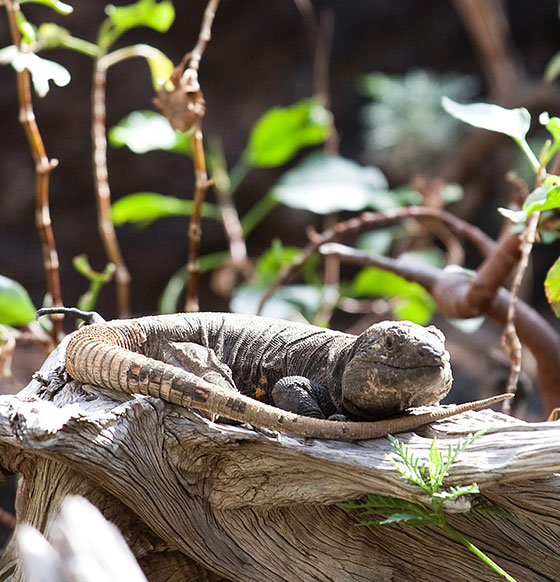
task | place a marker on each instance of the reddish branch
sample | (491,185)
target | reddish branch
(102,190)
(183,105)
(450,291)
(43,168)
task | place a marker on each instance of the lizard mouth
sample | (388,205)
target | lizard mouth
(384,389)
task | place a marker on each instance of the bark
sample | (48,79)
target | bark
(197,500)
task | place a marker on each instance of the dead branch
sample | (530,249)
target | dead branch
(43,168)
(102,189)
(451,293)
(179,486)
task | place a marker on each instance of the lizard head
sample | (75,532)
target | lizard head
(394,366)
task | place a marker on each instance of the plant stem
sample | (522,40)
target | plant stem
(43,168)
(458,536)
(195,230)
(258,212)
(102,190)
(237,173)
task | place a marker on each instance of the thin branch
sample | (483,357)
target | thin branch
(487,25)
(510,339)
(195,230)
(102,190)
(319,30)
(230,217)
(190,87)
(43,168)
(376,219)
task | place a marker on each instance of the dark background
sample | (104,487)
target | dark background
(258,58)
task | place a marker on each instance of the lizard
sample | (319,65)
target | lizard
(295,378)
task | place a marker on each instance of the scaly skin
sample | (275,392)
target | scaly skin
(364,376)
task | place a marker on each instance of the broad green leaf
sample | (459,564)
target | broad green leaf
(145,207)
(150,13)
(60,7)
(324,183)
(16,308)
(410,300)
(552,287)
(512,122)
(42,70)
(281,132)
(146,131)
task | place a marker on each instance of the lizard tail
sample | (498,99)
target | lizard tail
(106,355)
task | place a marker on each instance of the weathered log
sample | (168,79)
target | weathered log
(197,500)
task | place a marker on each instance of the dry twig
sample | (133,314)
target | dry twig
(43,168)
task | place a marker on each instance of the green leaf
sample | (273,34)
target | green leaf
(552,287)
(51,36)
(281,132)
(553,68)
(16,308)
(149,13)
(457,491)
(28,30)
(324,183)
(145,207)
(161,66)
(408,518)
(512,122)
(543,198)
(60,7)
(277,257)
(42,70)
(146,131)
(411,300)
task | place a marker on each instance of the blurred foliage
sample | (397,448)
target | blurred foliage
(406,127)
(16,307)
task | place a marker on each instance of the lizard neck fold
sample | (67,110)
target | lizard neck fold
(340,353)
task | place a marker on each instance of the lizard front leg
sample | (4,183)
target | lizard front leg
(198,360)
(302,396)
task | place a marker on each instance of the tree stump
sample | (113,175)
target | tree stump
(203,501)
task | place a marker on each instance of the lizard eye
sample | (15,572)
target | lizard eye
(389,341)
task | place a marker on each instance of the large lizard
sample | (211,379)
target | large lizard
(293,377)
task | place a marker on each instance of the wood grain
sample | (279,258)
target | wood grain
(240,505)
